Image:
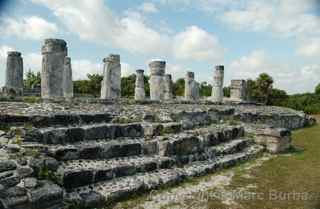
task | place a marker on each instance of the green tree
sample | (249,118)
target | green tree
(128,86)
(264,85)
(317,90)
(205,89)
(32,79)
(178,87)
(226,91)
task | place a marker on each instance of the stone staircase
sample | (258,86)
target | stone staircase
(100,163)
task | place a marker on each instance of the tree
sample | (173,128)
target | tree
(264,87)
(32,79)
(205,89)
(317,90)
(226,91)
(128,86)
(178,87)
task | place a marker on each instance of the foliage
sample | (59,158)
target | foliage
(317,90)
(260,90)
(32,79)
(205,89)
(178,87)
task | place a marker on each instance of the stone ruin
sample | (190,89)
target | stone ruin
(111,83)
(14,75)
(191,87)
(54,52)
(238,90)
(91,154)
(217,87)
(139,92)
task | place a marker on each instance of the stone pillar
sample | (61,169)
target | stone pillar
(54,52)
(67,79)
(217,87)
(168,87)
(14,75)
(238,90)
(191,89)
(157,71)
(139,92)
(111,83)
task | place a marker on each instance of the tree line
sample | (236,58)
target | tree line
(260,90)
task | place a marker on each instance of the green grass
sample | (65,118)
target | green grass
(297,172)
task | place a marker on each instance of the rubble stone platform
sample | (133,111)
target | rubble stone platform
(91,155)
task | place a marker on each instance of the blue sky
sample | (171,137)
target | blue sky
(279,37)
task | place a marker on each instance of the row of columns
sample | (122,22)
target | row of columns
(56,77)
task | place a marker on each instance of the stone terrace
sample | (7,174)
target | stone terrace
(91,155)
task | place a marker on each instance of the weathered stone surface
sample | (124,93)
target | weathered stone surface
(217,87)
(238,90)
(14,75)
(275,140)
(67,79)
(168,87)
(7,165)
(54,52)
(111,83)
(191,87)
(139,92)
(157,72)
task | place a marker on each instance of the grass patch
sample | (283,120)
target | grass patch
(291,180)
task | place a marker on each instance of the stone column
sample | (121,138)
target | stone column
(191,89)
(157,71)
(139,93)
(238,90)
(217,87)
(111,83)
(168,87)
(54,52)
(67,79)
(14,74)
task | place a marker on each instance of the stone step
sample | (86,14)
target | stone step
(103,194)
(225,148)
(64,135)
(78,173)
(61,119)
(196,141)
(97,149)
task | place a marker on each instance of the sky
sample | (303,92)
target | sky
(248,37)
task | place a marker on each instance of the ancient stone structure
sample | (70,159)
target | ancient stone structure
(67,79)
(168,87)
(111,83)
(238,90)
(139,92)
(54,52)
(14,75)
(157,71)
(101,153)
(191,90)
(217,87)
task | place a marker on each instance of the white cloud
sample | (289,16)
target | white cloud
(127,69)
(282,17)
(94,21)
(28,28)
(196,44)
(148,7)
(309,47)
(293,79)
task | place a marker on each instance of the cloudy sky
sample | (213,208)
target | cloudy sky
(279,37)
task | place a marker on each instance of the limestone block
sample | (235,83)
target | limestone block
(14,75)
(111,83)
(67,79)
(238,90)
(168,87)
(276,140)
(54,52)
(217,87)
(139,93)
(191,87)
(157,71)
